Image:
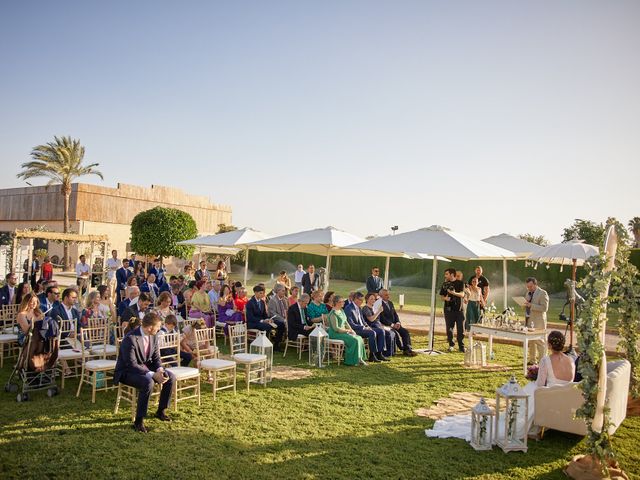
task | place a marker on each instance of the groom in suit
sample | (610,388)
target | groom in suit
(139,367)
(536,306)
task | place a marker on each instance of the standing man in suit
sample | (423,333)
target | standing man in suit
(150,287)
(258,317)
(139,367)
(8,292)
(113,264)
(202,273)
(374,282)
(35,268)
(452,292)
(389,317)
(310,280)
(122,275)
(298,320)
(158,271)
(536,306)
(358,324)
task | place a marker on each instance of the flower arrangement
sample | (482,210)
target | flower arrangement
(532,372)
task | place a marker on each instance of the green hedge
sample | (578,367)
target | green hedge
(411,273)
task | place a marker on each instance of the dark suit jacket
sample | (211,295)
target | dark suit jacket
(43,305)
(389,316)
(124,304)
(374,284)
(350,311)
(199,275)
(296,327)
(4,295)
(131,315)
(132,358)
(59,311)
(122,275)
(307,286)
(254,313)
(145,287)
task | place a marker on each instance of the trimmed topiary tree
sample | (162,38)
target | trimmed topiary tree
(157,232)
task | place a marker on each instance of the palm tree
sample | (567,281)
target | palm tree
(61,162)
(634,227)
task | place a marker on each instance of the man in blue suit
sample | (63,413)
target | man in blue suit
(158,271)
(65,309)
(258,317)
(8,291)
(139,367)
(122,275)
(151,287)
(51,300)
(375,335)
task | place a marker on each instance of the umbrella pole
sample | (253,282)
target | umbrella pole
(505,297)
(386,273)
(328,273)
(432,326)
(246,265)
(573,304)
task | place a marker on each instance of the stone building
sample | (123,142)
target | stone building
(96,210)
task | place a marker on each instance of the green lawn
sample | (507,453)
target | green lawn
(343,422)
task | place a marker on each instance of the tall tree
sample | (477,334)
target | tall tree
(591,232)
(157,232)
(537,239)
(61,162)
(634,228)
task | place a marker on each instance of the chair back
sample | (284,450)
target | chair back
(94,337)
(118,333)
(238,338)
(169,347)
(8,325)
(206,343)
(97,322)
(67,339)
(9,312)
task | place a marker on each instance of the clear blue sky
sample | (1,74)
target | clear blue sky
(485,116)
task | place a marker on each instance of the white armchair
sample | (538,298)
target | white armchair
(555,407)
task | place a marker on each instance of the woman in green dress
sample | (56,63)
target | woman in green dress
(317,310)
(339,329)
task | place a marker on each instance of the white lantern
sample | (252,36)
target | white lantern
(512,417)
(482,426)
(468,357)
(263,346)
(318,346)
(479,355)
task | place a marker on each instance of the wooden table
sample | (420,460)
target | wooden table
(524,337)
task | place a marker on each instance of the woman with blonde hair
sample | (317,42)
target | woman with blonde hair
(28,312)
(91,309)
(163,305)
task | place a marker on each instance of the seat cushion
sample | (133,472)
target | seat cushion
(216,364)
(8,338)
(249,358)
(183,373)
(98,349)
(96,365)
(69,354)
(335,342)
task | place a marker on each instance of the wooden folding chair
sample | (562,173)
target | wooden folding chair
(187,378)
(94,361)
(238,338)
(217,370)
(8,339)
(70,351)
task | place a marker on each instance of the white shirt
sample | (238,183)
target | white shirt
(12,292)
(297,277)
(82,268)
(214,297)
(69,311)
(112,265)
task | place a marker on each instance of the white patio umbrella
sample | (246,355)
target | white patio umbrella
(439,242)
(327,242)
(522,250)
(574,253)
(229,243)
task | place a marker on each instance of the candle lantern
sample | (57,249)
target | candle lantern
(479,357)
(512,417)
(318,346)
(263,346)
(482,426)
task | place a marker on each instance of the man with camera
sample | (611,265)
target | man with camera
(452,292)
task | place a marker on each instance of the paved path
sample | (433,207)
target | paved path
(419,322)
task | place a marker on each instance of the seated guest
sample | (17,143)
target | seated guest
(163,285)
(139,366)
(214,293)
(298,319)
(122,275)
(258,317)
(28,312)
(188,293)
(163,306)
(374,282)
(132,316)
(133,281)
(556,368)
(201,304)
(65,309)
(278,304)
(21,292)
(202,273)
(107,308)
(188,342)
(235,288)
(150,287)
(132,298)
(91,310)
(227,312)
(375,336)
(241,300)
(171,326)
(140,274)
(373,321)
(38,288)
(310,280)
(293,298)
(349,299)
(51,300)
(9,290)
(339,329)
(178,303)
(389,318)
(317,310)
(328,300)
(158,271)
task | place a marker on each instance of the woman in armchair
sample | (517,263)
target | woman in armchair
(557,368)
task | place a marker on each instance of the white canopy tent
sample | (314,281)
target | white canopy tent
(573,253)
(521,248)
(229,243)
(439,242)
(327,242)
